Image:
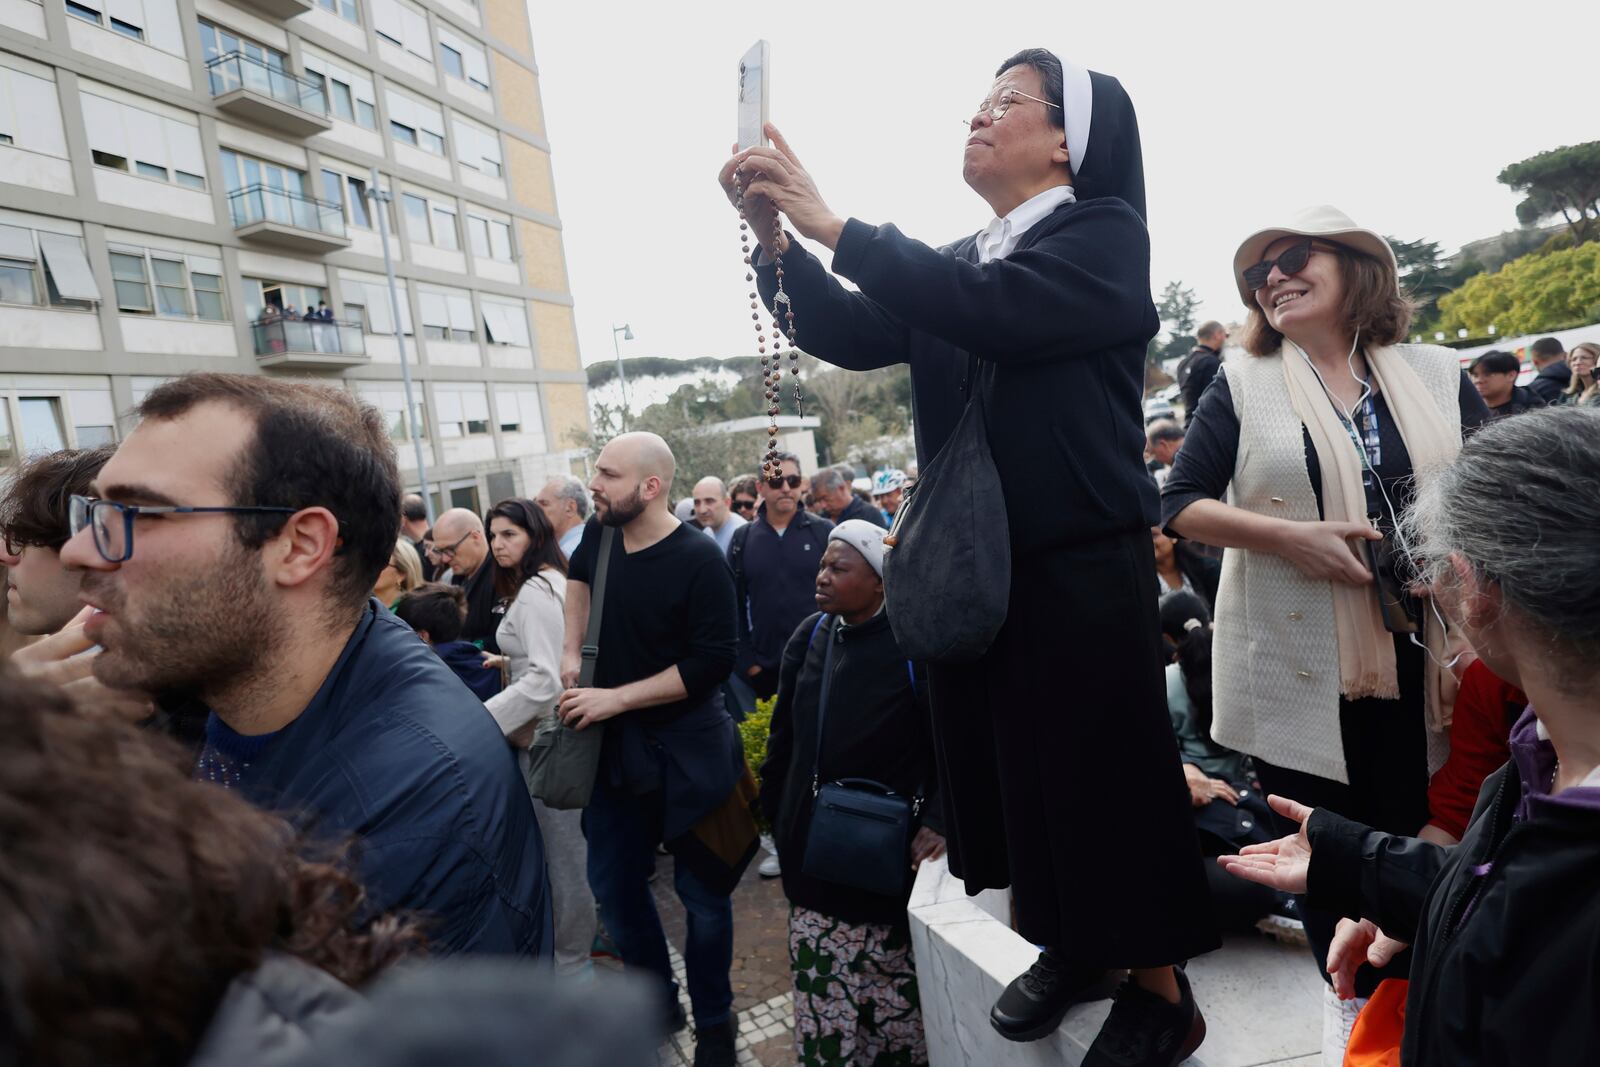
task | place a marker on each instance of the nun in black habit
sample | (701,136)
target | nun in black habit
(1057,743)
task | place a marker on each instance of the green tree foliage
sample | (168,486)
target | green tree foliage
(681,420)
(1564,181)
(1176,307)
(1534,294)
(1426,275)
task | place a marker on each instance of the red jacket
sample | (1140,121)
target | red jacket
(1486,709)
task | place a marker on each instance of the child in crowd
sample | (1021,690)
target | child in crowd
(437,612)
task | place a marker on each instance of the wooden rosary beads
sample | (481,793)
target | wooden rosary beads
(771,363)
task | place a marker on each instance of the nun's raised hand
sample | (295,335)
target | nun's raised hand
(1282,864)
(759,212)
(777,174)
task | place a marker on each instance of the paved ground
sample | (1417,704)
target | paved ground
(761,980)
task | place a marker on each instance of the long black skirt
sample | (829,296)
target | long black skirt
(1059,770)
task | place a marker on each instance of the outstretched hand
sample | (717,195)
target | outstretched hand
(773,175)
(1282,864)
(1355,943)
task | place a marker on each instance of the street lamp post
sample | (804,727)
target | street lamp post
(622,379)
(380,199)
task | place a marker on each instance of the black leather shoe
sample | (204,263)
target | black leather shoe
(713,1046)
(1145,1030)
(1033,1005)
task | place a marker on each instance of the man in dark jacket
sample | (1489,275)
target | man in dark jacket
(1552,375)
(832,492)
(1201,365)
(460,546)
(238,532)
(1494,374)
(774,562)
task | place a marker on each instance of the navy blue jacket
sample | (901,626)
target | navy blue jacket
(396,754)
(465,660)
(775,583)
(860,509)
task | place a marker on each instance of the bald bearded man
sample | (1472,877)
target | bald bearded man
(671,752)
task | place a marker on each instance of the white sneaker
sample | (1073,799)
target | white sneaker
(769,866)
(1338,1017)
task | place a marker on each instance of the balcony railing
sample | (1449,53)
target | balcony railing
(239,71)
(289,220)
(279,337)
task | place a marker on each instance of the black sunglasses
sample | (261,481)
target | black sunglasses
(1290,261)
(744,505)
(794,481)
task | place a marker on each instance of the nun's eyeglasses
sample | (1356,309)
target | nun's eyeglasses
(997,109)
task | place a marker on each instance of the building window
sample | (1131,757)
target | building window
(41,424)
(392,404)
(350,94)
(500,240)
(127,29)
(345,9)
(133,140)
(132,285)
(208,300)
(430,142)
(416,216)
(402,133)
(94,422)
(445,233)
(344,104)
(518,409)
(24,254)
(416,122)
(505,324)
(489,238)
(83,11)
(461,410)
(186,287)
(359,215)
(16,282)
(478,148)
(450,59)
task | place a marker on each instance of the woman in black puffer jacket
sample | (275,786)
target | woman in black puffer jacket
(1504,925)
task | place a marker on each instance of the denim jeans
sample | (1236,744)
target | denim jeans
(623,830)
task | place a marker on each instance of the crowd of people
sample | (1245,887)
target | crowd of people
(1321,657)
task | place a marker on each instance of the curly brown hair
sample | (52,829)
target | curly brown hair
(34,508)
(1374,303)
(131,896)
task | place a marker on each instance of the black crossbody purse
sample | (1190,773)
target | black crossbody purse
(861,830)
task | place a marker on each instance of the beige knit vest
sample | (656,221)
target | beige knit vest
(1275,661)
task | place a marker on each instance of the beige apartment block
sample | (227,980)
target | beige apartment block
(177,176)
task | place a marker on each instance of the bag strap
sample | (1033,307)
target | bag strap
(822,712)
(597,606)
(822,701)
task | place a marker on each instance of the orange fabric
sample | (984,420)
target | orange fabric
(1375,1038)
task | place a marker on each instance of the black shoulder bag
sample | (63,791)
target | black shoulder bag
(947,558)
(861,830)
(563,762)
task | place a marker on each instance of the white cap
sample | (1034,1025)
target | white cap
(865,538)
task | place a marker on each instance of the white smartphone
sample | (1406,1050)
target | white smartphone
(754,81)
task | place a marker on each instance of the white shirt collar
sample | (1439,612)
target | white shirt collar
(999,239)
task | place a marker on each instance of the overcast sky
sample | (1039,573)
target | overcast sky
(1401,113)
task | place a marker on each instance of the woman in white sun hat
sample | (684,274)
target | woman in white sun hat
(1297,461)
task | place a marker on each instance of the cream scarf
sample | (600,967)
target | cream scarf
(1366,649)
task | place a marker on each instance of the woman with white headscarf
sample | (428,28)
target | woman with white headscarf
(1043,316)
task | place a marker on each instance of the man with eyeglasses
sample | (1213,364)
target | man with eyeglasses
(774,561)
(460,546)
(227,550)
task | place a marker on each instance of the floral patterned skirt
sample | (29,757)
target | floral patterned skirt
(855,993)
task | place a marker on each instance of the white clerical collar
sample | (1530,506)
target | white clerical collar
(999,239)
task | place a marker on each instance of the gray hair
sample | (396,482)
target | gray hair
(1521,505)
(570,488)
(828,480)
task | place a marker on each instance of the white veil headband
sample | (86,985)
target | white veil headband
(1077,99)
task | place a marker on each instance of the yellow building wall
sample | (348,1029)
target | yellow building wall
(532,183)
(569,414)
(543,263)
(519,94)
(557,332)
(507,20)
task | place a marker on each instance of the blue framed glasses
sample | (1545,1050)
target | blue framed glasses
(112,523)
